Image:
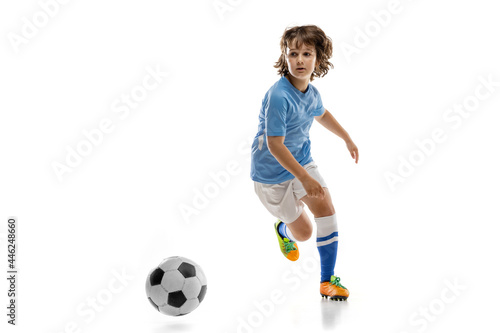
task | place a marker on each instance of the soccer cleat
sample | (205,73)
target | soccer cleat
(288,247)
(334,289)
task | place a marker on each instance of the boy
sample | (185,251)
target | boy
(284,173)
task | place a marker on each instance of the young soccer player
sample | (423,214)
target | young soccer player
(284,173)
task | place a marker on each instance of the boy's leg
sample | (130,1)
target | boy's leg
(327,232)
(289,233)
(320,207)
(301,228)
(280,201)
(327,241)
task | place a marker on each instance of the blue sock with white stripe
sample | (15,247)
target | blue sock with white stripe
(327,241)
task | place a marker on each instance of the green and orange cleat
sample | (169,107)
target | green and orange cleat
(333,289)
(288,247)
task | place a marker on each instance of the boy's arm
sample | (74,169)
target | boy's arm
(278,149)
(331,124)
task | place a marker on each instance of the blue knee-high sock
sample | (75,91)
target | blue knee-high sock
(327,241)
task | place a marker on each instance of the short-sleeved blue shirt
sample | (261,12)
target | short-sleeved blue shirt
(288,112)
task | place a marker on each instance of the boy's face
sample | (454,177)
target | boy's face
(301,61)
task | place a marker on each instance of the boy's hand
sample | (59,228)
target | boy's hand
(313,187)
(352,149)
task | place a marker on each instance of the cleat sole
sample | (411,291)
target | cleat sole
(334,298)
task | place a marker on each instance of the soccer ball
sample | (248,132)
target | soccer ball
(176,287)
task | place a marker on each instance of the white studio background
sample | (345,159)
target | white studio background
(415,83)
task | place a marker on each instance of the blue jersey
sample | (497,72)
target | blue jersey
(288,112)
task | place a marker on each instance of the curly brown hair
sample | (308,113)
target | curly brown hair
(310,35)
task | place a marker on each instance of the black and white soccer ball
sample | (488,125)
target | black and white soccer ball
(177,286)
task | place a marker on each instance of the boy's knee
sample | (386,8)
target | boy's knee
(325,209)
(321,207)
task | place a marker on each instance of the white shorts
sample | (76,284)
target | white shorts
(283,200)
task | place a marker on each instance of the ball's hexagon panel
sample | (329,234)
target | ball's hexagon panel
(192,287)
(172,281)
(201,275)
(171,263)
(189,306)
(169,310)
(158,295)
(153,303)
(148,283)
